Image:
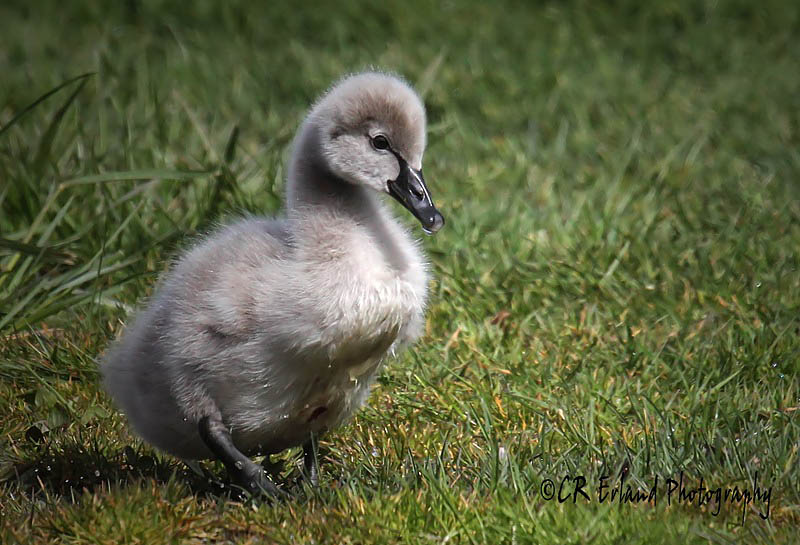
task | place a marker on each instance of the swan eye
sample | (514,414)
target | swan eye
(380,142)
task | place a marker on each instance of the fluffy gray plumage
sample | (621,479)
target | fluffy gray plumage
(279,326)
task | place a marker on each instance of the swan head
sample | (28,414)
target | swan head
(372,134)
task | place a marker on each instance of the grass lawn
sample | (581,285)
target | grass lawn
(616,291)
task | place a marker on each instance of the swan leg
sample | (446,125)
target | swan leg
(243,471)
(310,461)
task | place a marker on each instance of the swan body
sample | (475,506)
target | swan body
(276,328)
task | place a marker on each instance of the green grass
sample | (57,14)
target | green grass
(616,289)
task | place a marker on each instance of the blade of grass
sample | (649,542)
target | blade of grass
(41,99)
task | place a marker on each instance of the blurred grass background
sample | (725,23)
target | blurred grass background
(616,290)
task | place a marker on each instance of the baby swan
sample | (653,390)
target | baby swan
(270,331)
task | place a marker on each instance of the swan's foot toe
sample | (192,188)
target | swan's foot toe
(252,478)
(245,473)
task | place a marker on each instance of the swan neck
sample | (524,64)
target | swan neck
(311,183)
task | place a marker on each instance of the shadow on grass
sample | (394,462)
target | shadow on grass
(68,468)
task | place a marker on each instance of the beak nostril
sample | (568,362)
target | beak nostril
(409,188)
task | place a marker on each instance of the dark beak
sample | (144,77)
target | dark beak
(409,188)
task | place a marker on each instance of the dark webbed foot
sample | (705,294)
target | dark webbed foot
(242,470)
(311,461)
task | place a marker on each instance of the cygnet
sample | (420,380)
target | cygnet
(270,331)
